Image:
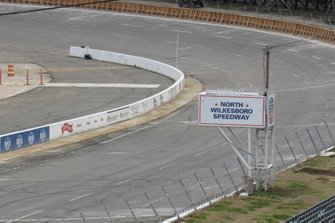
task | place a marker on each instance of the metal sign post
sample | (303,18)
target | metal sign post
(265,137)
(235,108)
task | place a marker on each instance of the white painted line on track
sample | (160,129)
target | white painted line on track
(132,25)
(181,31)
(201,153)
(88,148)
(317,58)
(194,186)
(250,84)
(232,170)
(95,85)
(292,50)
(295,75)
(123,182)
(210,187)
(155,201)
(288,157)
(168,165)
(25,216)
(116,138)
(80,197)
(205,48)
(152,202)
(223,32)
(141,129)
(194,122)
(75,19)
(333,63)
(114,153)
(238,55)
(308,87)
(185,48)
(262,44)
(224,37)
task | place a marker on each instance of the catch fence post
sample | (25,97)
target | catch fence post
(187,194)
(281,157)
(218,183)
(317,131)
(310,136)
(331,136)
(289,146)
(231,179)
(169,199)
(239,162)
(151,205)
(131,210)
(109,215)
(202,188)
(82,216)
(302,145)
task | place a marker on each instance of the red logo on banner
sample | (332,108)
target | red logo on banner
(67,127)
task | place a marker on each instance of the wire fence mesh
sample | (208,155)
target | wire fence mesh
(187,194)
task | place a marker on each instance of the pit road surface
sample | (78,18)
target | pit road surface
(158,153)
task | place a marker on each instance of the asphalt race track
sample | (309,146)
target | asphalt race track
(28,43)
(142,159)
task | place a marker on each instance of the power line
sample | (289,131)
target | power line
(52,8)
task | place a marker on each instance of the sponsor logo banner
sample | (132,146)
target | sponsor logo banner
(74,126)
(271,110)
(23,139)
(67,128)
(121,114)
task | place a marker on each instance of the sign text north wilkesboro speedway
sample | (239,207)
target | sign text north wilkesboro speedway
(238,111)
(231,110)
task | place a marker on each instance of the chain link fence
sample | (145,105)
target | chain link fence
(323,15)
(172,201)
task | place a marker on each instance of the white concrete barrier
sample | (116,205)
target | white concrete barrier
(98,120)
(41,134)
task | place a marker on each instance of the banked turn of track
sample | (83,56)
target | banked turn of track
(120,181)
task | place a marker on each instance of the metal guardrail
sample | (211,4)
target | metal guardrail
(293,28)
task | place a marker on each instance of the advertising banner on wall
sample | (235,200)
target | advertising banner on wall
(231,110)
(23,139)
(74,126)
(120,114)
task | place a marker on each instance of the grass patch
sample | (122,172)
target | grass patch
(292,192)
(227,207)
(314,162)
(281,217)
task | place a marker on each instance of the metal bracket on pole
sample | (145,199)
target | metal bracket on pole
(234,148)
(241,143)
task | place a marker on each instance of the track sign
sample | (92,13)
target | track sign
(271,110)
(231,110)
